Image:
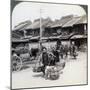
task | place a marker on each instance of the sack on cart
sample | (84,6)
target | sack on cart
(51,72)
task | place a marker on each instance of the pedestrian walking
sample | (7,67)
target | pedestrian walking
(73,51)
(56,54)
(61,51)
(66,50)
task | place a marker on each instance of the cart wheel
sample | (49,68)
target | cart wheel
(16,63)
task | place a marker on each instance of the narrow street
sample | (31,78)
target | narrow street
(75,72)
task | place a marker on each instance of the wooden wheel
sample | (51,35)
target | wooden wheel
(16,63)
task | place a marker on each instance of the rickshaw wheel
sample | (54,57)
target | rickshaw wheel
(16,63)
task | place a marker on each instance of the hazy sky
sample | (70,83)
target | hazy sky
(31,11)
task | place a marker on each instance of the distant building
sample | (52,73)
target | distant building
(78,27)
(69,28)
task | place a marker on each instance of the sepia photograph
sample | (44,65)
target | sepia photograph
(48,44)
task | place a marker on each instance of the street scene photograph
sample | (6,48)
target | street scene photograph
(48,45)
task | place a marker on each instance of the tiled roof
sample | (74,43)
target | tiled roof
(62,21)
(36,23)
(83,19)
(72,22)
(22,25)
(76,20)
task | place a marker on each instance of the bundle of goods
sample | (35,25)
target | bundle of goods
(52,73)
(25,56)
(22,50)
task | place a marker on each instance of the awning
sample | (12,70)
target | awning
(78,36)
(19,40)
(44,38)
(54,37)
(35,38)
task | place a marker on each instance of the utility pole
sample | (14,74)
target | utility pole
(40,40)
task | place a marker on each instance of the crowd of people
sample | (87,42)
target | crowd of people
(48,57)
(56,54)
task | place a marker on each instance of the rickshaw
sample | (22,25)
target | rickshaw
(21,55)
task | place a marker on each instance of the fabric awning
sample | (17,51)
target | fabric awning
(78,36)
(20,40)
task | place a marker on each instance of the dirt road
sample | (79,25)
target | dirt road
(75,72)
